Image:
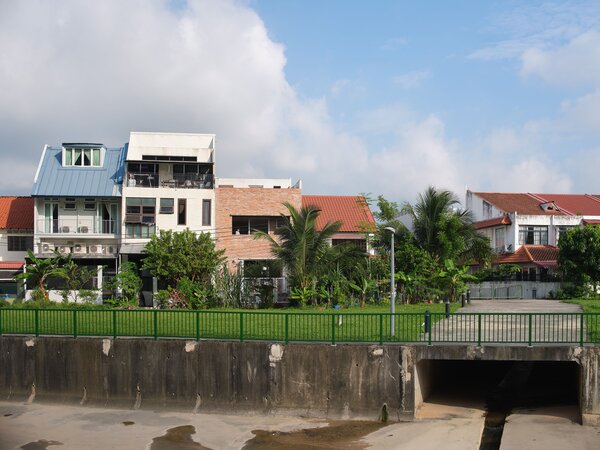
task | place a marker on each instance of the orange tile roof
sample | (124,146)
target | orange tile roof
(11,265)
(541,255)
(576,204)
(16,213)
(522,203)
(503,220)
(353,211)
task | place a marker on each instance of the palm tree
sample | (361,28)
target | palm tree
(300,246)
(444,229)
(40,269)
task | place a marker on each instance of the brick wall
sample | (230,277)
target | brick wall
(249,202)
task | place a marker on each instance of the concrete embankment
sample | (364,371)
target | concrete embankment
(313,380)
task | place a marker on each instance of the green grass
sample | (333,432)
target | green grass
(593,322)
(369,324)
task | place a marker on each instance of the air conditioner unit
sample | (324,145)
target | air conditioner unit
(109,250)
(64,249)
(96,249)
(83,229)
(65,229)
(45,248)
(133,218)
(507,248)
(79,249)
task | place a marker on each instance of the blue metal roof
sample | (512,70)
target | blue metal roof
(54,180)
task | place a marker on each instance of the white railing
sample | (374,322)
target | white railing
(77,225)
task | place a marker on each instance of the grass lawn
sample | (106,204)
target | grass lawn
(354,324)
(593,322)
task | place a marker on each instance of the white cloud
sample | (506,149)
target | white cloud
(394,43)
(411,80)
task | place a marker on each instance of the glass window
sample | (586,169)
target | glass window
(96,157)
(206,207)
(259,224)
(78,157)
(181,211)
(20,243)
(533,235)
(68,157)
(167,206)
(140,210)
(89,204)
(499,238)
(87,157)
(239,225)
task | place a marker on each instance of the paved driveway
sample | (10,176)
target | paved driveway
(511,322)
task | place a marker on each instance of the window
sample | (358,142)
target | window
(70,204)
(181,211)
(89,204)
(86,157)
(206,207)
(140,210)
(533,235)
(167,206)
(247,225)
(141,231)
(20,243)
(499,238)
(487,210)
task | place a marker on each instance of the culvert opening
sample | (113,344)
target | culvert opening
(498,387)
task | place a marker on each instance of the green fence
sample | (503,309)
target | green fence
(329,327)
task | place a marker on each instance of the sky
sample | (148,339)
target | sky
(383,97)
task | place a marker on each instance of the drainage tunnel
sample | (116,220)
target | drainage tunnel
(497,384)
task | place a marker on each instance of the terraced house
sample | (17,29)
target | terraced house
(524,228)
(102,205)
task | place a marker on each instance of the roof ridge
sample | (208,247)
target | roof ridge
(528,253)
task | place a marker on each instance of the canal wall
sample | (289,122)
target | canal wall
(313,380)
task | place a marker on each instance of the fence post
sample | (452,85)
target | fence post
(114,323)
(428,326)
(37,322)
(380,329)
(155,323)
(286,328)
(530,328)
(0,321)
(74,323)
(479,330)
(581,322)
(241,326)
(197,325)
(447,308)
(332,329)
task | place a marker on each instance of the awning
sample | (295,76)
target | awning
(132,249)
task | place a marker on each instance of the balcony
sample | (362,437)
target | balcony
(175,181)
(78,226)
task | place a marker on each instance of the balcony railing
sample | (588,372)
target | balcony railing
(77,226)
(177,180)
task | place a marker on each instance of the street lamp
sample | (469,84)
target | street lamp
(392,282)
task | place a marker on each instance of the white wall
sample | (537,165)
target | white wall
(475,204)
(283,183)
(175,144)
(5,255)
(193,198)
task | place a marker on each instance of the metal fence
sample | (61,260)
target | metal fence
(328,327)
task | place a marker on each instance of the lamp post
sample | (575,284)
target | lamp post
(392,282)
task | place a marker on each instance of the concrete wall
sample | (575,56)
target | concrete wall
(525,289)
(314,380)
(343,381)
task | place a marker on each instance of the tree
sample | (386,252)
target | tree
(300,246)
(39,270)
(579,256)
(455,278)
(172,256)
(443,229)
(127,281)
(74,277)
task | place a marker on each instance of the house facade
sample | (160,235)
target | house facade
(16,237)
(357,222)
(169,184)
(525,228)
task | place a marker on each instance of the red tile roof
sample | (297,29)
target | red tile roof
(16,213)
(530,204)
(591,221)
(542,255)
(575,204)
(503,220)
(11,265)
(522,203)
(353,211)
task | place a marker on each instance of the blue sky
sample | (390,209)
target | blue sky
(382,97)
